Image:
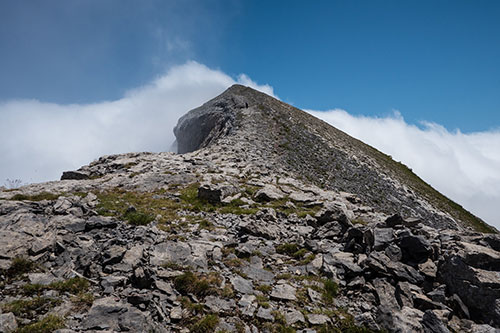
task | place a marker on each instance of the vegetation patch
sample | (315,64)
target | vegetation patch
(73,286)
(331,290)
(36,197)
(292,250)
(82,301)
(138,218)
(262,301)
(19,266)
(27,308)
(194,308)
(174,266)
(45,325)
(206,324)
(197,284)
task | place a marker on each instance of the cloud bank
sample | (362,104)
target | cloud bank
(40,140)
(464,167)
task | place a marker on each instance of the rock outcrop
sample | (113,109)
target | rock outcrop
(241,235)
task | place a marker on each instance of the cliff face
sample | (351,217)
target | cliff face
(270,221)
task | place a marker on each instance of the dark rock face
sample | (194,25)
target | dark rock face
(67,175)
(229,238)
(204,125)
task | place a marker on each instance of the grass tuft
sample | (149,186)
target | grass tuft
(73,286)
(19,266)
(199,285)
(206,324)
(45,325)
(36,197)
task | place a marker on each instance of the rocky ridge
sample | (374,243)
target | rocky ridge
(227,238)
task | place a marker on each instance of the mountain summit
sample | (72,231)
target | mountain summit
(262,130)
(267,220)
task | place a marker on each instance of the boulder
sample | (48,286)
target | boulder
(215,193)
(74,175)
(8,323)
(416,249)
(479,289)
(268,193)
(284,292)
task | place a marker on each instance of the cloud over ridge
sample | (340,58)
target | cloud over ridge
(40,139)
(463,166)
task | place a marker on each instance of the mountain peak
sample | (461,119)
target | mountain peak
(247,123)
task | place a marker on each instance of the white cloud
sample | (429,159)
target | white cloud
(465,167)
(40,140)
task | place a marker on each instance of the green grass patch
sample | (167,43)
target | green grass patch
(197,284)
(194,308)
(19,266)
(73,286)
(138,218)
(331,290)
(262,301)
(292,250)
(265,288)
(45,325)
(36,197)
(25,308)
(82,300)
(206,324)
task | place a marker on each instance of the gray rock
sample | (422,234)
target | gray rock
(242,285)
(215,193)
(75,175)
(407,320)
(133,320)
(394,252)
(480,256)
(41,278)
(317,319)
(164,287)
(8,322)
(382,238)
(176,313)
(386,294)
(40,245)
(394,220)
(265,314)
(170,252)
(428,268)
(333,212)
(343,259)
(432,323)
(293,316)
(113,255)
(258,274)
(479,289)
(104,314)
(284,292)
(416,249)
(269,193)
(314,296)
(247,306)
(265,230)
(217,305)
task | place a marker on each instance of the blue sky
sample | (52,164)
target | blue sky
(419,80)
(436,61)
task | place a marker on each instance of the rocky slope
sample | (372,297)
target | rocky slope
(270,221)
